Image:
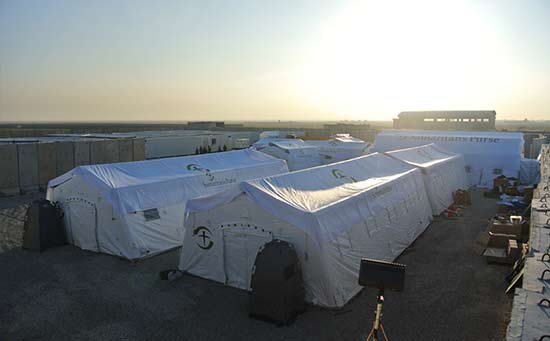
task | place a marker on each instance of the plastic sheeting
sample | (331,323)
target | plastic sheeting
(529,172)
(443,172)
(373,206)
(339,148)
(487,154)
(297,154)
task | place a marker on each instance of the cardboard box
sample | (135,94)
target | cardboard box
(462,197)
(500,183)
(488,239)
(519,231)
(503,255)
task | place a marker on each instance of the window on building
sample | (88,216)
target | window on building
(440,120)
(485,120)
(214,141)
(428,120)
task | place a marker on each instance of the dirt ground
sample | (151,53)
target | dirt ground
(66,293)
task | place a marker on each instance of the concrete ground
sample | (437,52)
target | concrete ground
(66,293)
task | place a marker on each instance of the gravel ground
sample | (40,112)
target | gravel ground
(66,293)
(12,221)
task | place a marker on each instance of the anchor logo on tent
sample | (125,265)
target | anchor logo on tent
(205,237)
(338,174)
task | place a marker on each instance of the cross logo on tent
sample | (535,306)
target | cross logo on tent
(199,168)
(338,174)
(205,241)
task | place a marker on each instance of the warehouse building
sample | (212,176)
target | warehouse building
(479,120)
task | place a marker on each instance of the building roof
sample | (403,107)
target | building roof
(449,113)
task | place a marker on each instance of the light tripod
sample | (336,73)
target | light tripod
(377,324)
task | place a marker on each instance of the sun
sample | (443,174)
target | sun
(382,57)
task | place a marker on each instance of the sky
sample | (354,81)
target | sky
(271,60)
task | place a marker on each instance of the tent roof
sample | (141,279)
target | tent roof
(423,156)
(314,189)
(282,143)
(340,141)
(323,201)
(132,186)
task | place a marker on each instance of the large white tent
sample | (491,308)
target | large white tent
(297,154)
(443,172)
(488,154)
(334,215)
(339,148)
(136,209)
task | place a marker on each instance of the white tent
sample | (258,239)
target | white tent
(136,209)
(297,154)
(487,154)
(372,206)
(339,148)
(443,172)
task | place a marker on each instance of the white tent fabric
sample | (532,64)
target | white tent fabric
(443,172)
(297,154)
(136,209)
(487,154)
(372,206)
(339,148)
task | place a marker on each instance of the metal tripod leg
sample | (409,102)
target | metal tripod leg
(378,319)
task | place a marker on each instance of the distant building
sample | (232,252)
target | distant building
(205,125)
(446,120)
(361,131)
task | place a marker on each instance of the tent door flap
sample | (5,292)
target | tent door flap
(82,222)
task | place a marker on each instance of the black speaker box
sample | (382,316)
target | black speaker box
(43,227)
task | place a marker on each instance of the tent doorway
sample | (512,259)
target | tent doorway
(82,213)
(241,245)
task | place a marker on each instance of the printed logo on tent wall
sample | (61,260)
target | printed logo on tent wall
(203,237)
(339,174)
(210,178)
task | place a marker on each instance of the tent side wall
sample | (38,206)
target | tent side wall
(398,213)
(441,180)
(486,154)
(237,230)
(90,221)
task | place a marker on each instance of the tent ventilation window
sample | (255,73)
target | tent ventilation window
(151,214)
(468,169)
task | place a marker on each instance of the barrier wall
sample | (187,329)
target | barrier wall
(138,149)
(81,153)
(47,163)
(65,157)
(125,150)
(9,181)
(104,151)
(27,157)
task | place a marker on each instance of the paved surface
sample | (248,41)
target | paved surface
(65,293)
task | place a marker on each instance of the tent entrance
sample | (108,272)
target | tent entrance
(241,243)
(82,223)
